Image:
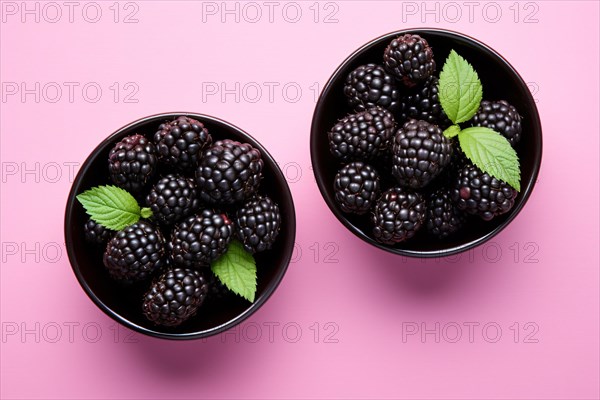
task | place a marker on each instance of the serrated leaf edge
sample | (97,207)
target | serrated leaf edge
(89,199)
(251,289)
(493,171)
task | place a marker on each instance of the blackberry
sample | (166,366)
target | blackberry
(423,102)
(410,59)
(132,163)
(369,86)
(398,215)
(172,198)
(478,193)
(180,142)
(420,153)
(257,223)
(443,217)
(175,296)
(96,233)
(135,252)
(229,172)
(200,239)
(216,289)
(362,136)
(501,117)
(357,187)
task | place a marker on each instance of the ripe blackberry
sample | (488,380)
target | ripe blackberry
(443,217)
(132,163)
(175,296)
(369,86)
(200,239)
(398,215)
(476,192)
(257,223)
(362,136)
(356,187)
(172,198)
(410,59)
(420,152)
(180,142)
(423,102)
(135,252)
(229,172)
(96,233)
(501,117)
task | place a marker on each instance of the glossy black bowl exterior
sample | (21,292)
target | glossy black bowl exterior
(124,303)
(500,81)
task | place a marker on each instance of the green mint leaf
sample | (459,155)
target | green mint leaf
(452,131)
(236,269)
(491,153)
(459,88)
(110,206)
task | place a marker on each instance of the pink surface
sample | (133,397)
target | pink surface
(348,320)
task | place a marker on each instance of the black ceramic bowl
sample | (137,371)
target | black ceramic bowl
(500,81)
(124,303)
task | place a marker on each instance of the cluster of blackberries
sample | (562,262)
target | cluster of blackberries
(205,195)
(395,134)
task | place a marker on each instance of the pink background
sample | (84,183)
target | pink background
(347,319)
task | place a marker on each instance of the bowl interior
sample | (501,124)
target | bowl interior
(124,302)
(500,81)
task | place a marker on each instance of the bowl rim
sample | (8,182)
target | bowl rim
(258,303)
(321,184)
